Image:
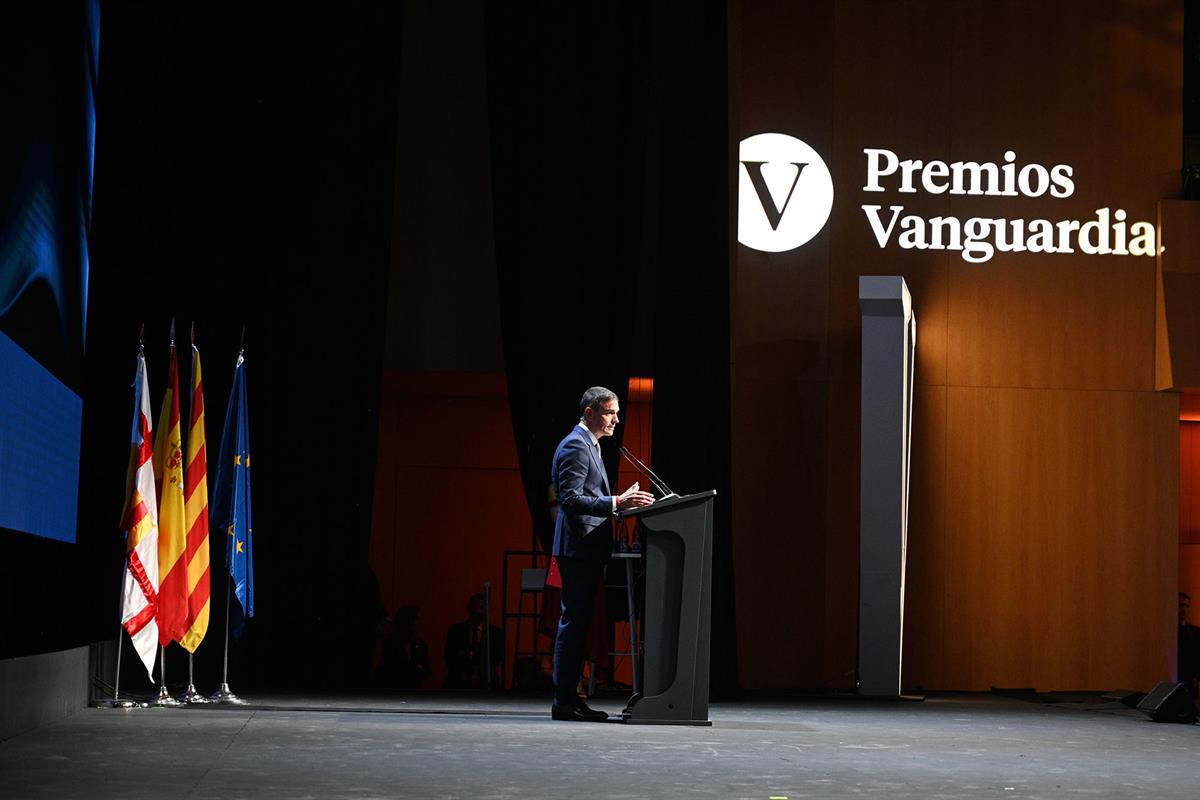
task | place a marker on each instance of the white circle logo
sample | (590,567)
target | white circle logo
(785,192)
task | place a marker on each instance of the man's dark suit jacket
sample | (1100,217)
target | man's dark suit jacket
(585,502)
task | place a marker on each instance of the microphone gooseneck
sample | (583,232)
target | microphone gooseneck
(656,481)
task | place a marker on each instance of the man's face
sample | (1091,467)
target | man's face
(603,421)
(1184,604)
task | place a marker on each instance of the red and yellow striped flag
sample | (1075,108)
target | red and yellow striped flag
(139,588)
(168,479)
(195,490)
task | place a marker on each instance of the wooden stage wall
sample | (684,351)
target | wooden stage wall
(1043,545)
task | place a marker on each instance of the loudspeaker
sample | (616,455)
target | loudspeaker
(1169,702)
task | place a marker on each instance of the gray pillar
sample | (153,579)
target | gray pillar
(889,340)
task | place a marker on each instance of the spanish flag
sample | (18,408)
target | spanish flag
(139,588)
(168,479)
(195,491)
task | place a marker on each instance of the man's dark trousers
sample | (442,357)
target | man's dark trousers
(579,578)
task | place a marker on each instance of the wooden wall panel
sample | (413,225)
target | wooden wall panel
(793,343)
(925,632)
(873,40)
(1045,481)
(1037,563)
(1063,321)
(779,533)
(1049,323)
(840,568)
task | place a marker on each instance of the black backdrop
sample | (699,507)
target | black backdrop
(610,153)
(244,176)
(568,133)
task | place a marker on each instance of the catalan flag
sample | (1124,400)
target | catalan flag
(195,496)
(231,500)
(139,588)
(168,475)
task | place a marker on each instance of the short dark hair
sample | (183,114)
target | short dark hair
(594,398)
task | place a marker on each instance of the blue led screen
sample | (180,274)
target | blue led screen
(40,421)
(48,84)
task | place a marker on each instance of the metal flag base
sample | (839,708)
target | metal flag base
(224,696)
(117,704)
(193,697)
(164,699)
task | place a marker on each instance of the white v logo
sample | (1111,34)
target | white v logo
(754,170)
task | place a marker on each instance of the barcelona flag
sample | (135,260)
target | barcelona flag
(230,511)
(139,586)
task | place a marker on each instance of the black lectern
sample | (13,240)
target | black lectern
(677,559)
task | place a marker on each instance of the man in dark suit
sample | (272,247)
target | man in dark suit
(583,539)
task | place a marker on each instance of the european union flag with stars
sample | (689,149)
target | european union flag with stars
(230,509)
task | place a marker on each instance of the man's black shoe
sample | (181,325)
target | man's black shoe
(588,709)
(580,713)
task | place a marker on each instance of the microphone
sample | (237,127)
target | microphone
(657,482)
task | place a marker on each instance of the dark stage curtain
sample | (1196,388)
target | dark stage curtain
(611,171)
(565,87)
(245,175)
(690,207)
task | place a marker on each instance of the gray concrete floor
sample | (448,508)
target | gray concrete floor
(949,746)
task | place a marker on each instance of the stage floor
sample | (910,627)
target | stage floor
(380,746)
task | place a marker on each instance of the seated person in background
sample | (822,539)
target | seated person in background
(464,650)
(405,654)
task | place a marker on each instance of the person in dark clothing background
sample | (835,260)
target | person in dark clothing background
(464,650)
(404,655)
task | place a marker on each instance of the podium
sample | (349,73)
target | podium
(677,602)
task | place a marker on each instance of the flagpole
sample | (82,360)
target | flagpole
(164,699)
(191,695)
(117,702)
(225,695)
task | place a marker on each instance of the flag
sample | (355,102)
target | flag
(168,480)
(139,587)
(231,500)
(195,496)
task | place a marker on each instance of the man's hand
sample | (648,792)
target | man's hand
(634,497)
